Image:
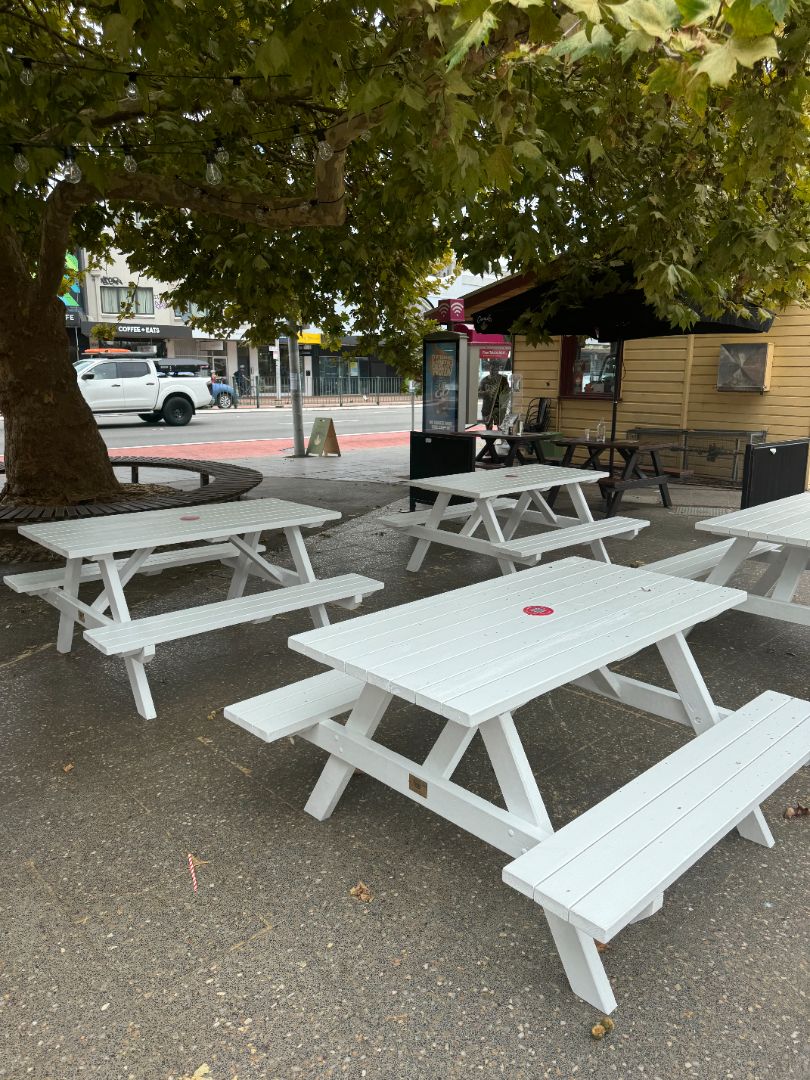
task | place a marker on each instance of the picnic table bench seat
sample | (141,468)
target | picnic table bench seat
(610,866)
(295,707)
(39,581)
(117,639)
(694,564)
(532,548)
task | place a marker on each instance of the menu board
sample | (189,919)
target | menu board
(440,382)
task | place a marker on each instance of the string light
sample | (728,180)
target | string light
(130,164)
(237,93)
(21,162)
(220,153)
(70,170)
(27,71)
(325,151)
(298,147)
(213,173)
(132,86)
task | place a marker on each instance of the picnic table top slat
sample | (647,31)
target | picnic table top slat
(487,484)
(784,521)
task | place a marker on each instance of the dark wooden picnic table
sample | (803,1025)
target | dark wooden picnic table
(626,474)
(516,445)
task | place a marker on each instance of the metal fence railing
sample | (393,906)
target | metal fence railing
(263,393)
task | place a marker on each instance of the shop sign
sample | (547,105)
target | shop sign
(495,352)
(450,310)
(136,328)
(309,337)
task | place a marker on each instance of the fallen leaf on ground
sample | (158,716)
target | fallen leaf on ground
(597,1032)
(607,1023)
(204,740)
(69,767)
(203,1073)
(361,891)
(601,946)
(797,811)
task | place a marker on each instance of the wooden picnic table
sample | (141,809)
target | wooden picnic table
(785,523)
(630,474)
(474,655)
(516,444)
(232,532)
(491,494)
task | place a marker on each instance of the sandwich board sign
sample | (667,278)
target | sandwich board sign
(323,438)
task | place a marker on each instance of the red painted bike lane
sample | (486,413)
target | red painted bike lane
(258,448)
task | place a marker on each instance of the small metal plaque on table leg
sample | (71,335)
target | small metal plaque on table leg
(417,785)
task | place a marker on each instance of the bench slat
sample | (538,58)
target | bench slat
(691,564)
(602,869)
(41,580)
(172,625)
(526,546)
(295,707)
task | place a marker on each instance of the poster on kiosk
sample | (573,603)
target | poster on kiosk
(445,380)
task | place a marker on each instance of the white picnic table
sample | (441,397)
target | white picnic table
(472,656)
(232,533)
(785,523)
(490,495)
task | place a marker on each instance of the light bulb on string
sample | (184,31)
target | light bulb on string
(298,147)
(132,86)
(130,164)
(27,71)
(237,93)
(70,170)
(213,173)
(21,162)
(220,153)
(325,150)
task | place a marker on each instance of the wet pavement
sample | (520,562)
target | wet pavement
(111,965)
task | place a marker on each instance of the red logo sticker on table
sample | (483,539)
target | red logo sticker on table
(538,609)
(190,517)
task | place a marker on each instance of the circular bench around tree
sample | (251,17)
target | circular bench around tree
(219,482)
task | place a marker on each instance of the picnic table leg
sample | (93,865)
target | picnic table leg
(703,714)
(125,574)
(663,487)
(567,457)
(114,592)
(433,521)
(512,522)
(770,575)
(70,587)
(788,580)
(513,771)
(241,571)
(731,561)
(364,718)
(584,514)
(449,749)
(494,533)
(583,964)
(302,564)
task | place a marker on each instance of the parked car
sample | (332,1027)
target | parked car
(222,393)
(135,384)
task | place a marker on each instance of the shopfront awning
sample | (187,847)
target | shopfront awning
(147,331)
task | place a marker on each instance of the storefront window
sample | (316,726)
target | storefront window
(267,364)
(140,301)
(589,368)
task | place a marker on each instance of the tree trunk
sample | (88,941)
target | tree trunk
(54,452)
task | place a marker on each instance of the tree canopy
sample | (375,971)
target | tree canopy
(289,159)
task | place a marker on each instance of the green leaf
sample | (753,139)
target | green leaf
(666,78)
(477,34)
(524,148)
(633,42)
(747,51)
(499,167)
(118,32)
(655,17)
(748,20)
(592,147)
(695,12)
(588,8)
(272,56)
(412,97)
(719,64)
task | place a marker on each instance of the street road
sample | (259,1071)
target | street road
(226,425)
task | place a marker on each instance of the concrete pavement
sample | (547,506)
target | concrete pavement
(111,966)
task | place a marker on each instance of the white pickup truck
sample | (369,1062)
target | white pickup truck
(136,384)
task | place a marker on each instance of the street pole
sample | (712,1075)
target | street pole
(278,379)
(296,400)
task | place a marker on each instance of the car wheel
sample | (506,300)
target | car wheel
(224,401)
(177,411)
(151,417)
